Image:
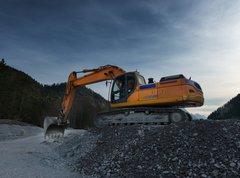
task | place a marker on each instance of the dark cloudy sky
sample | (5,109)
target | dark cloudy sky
(50,38)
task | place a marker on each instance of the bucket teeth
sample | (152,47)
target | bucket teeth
(52,129)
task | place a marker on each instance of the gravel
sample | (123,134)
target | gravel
(192,149)
(201,148)
(13,131)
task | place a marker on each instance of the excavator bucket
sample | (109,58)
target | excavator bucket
(52,128)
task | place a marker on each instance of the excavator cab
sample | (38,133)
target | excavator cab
(123,87)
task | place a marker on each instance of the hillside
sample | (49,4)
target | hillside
(230,110)
(21,97)
(198,116)
(24,99)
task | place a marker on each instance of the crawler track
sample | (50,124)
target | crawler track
(143,115)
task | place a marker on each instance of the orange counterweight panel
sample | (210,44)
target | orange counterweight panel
(192,95)
(170,90)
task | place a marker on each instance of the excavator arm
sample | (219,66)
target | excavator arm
(56,125)
(100,74)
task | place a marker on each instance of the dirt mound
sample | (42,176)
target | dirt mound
(12,129)
(191,149)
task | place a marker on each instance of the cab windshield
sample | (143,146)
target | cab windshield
(141,80)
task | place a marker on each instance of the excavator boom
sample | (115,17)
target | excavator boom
(55,126)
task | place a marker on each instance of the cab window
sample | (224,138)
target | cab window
(118,91)
(141,80)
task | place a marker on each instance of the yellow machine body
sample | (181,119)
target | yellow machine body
(172,91)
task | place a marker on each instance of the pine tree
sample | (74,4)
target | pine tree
(231,110)
(2,62)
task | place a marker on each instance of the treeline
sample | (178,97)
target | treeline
(231,110)
(24,99)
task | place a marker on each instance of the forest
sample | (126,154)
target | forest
(24,99)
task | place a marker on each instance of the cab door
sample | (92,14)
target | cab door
(123,87)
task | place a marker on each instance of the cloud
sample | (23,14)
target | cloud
(49,39)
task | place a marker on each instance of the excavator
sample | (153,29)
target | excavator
(133,100)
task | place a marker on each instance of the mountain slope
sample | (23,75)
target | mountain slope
(21,97)
(24,99)
(198,116)
(231,110)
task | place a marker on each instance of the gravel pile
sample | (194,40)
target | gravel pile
(76,145)
(192,149)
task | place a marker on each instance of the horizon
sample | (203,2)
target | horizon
(199,39)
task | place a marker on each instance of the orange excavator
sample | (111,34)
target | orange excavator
(133,100)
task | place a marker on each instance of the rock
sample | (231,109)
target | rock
(238,144)
(165,172)
(159,167)
(232,164)
(212,160)
(70,154)
(215,173)
(225,129)
(238,163)
(195,134)
(217,165)
(108,175)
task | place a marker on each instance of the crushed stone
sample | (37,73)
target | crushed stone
(200,148)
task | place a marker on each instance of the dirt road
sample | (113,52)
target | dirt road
(25,153)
